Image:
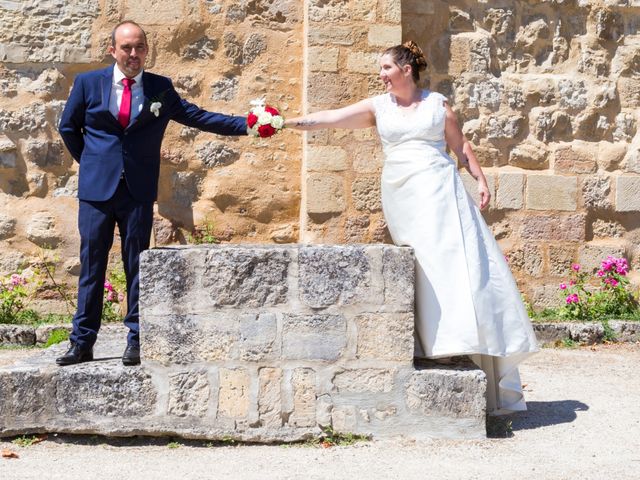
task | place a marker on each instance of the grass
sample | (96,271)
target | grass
(32,318)
(552,315)
(57,336)
(331,438)
(28,441)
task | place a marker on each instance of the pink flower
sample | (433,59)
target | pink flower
(573,298)
(613,282)
(576,267)
(120,297)
(572,282)
(108,286)
(621,270)
(601,273)
(563,286)
(16,279)
(111,296)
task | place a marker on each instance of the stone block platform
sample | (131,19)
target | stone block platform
(262,344)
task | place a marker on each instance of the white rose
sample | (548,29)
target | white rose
(277,122)
(264,118)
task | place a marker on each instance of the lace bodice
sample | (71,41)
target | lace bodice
(400,128)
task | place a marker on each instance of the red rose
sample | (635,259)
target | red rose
(271,110)
(266,131)
(251,119)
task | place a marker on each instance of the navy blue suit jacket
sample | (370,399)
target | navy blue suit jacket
(104,149)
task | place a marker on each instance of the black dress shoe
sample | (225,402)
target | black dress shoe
(131,355)
(74,355)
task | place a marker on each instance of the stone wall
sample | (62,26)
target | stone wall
(548,92)
(259,343)
(220,55)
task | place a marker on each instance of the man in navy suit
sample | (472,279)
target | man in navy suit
(113,125)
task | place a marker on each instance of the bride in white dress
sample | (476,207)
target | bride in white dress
(467,302)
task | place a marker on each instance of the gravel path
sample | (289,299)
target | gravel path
(583,423)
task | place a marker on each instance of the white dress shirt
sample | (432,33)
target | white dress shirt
(137,94)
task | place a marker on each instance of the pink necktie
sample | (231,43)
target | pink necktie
(125,106)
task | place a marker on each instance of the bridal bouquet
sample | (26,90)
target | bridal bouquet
(263,120)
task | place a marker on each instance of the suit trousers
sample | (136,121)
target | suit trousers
(96,224)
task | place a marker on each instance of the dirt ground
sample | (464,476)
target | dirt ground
(583,423)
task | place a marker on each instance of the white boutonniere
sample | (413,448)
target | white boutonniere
(155,108)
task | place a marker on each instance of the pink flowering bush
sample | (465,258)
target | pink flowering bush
(610,299)
(113,304)
(15,292)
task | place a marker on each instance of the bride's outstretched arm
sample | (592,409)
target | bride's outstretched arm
(358,115)
(462,148)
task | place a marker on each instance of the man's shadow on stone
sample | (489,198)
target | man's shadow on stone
(542,414)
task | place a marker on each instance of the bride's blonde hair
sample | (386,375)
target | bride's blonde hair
(409,53)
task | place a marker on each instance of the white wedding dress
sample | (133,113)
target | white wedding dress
(467,302)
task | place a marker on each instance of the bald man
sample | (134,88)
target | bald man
(113,125)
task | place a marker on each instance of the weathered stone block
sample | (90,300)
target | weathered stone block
(255,44)
(626,331)
(365,192)
(574,159)
(249,277)
(546,192)
(216,154)
(549,333)
(344,418)
(363,380)
(362,62)
(334,35)
(7,226)
(185,339)
(595,192)
(591,255)
(586,333)
(323,59)
(628,193)
(155,12)
(384,35)
(510,191)
(24,395)
(314,337)
(471,186)
(303,383)
(17,335)
(446,392)
(398,266)
(386,336)
(560,259)
(326,158)
(90,389)
(189,394)
(233,398)
(629,91)
(529,155)
(270,397)
(325,194)
(471,52)
(333,275)
(164,277)
(554,227)
(41,230)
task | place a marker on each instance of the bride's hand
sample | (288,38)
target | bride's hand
(485,195)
